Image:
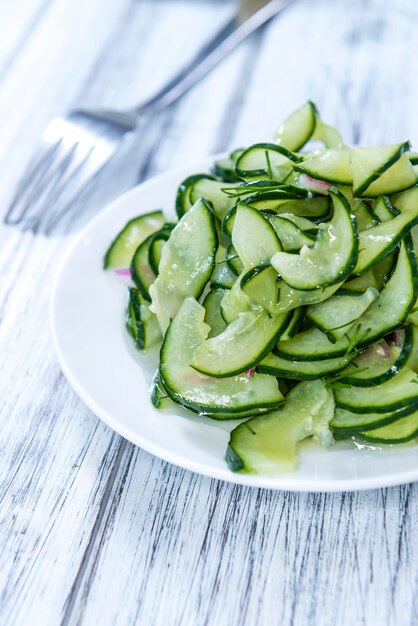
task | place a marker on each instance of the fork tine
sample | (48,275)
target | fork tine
(67,194)
(34,174)
(39,200)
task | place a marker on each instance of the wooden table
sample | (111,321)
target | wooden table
(93,529)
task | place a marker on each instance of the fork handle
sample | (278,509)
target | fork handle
(213,52)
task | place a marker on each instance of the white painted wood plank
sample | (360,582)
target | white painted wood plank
(183,550)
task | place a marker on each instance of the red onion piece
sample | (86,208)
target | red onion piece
(314,184)
(378,351)
(250,373)
(397,338)
(124,276)
(384,347)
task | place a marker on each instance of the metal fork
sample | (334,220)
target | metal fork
(75,147)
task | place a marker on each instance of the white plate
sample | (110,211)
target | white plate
(87,312)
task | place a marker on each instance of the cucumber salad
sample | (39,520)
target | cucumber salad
(285,295)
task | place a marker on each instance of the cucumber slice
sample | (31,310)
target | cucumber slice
(260,285)
(291,236)
(268,444)
(301,370)
(376,243)
(141,324)
(159,396)
(360,284)
(385,314)
(225,168)
(142,274)
(347,423)
(368,164)
(289,298)
(244,342)
(222,275)
(332,166)
(328,135)
(253,237)
(156,245)
(266,160)
(364,215)
(383,209)
(279,202)
(331,259)
(383,270)
(373,367)
(401,431)
(192,244)
(223,398)
(183,202)
(336,315)
(234,302)
(396,393)
(212,191)
(295,323)
(400,176)
(122,248)
(233,260)
(298,128)
(303,223)
(213,315)
(311,345)
(396,299)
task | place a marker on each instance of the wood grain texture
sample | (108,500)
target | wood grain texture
(94,530)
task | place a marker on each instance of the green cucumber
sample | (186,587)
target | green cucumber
(374,367)
(243,343)
(290,235)
(213,315)
(290,298)
(368,164)
(400,431)
(377,242)
(223,398)
(141,324)
(266,160)
(142,273)
(385,314)
(156,245)
(212,191)
(192,244)
(233,260)
(183,202)
(336,315)
(268,444)
(396,393)
(348,423)
(331,166)
(260,285)
(122,248)
(222,275)
(298,128)
(332,258)
(383,209)
(301,370)
(253,237)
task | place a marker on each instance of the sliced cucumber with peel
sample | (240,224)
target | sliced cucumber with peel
(268,444)
(203,394)
(192,244)
(123,247)
(331,259)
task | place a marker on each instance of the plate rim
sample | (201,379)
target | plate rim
(280,482)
